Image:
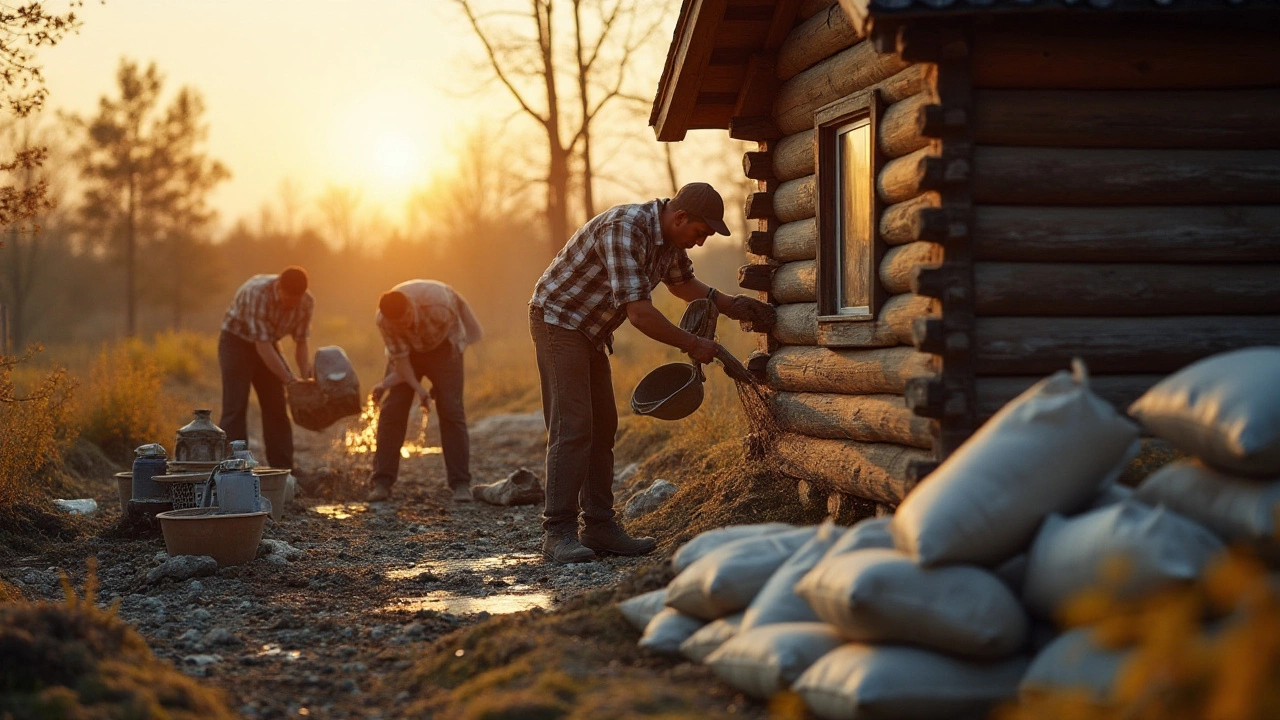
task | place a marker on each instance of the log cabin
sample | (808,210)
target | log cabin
(954,198)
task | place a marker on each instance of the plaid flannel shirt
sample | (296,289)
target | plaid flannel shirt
(618,257)
(438,313)
(256,314)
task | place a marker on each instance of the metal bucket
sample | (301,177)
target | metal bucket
(670,392)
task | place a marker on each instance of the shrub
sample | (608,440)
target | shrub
(183,357)
(122,406)
(34,427)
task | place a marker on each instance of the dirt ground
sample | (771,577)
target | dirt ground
(322,626)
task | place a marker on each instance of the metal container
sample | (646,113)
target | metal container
(236,488)
(148,462)
(670,392)
(200,440)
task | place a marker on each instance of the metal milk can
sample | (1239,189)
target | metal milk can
(237,489)
(200,440)
(148,462)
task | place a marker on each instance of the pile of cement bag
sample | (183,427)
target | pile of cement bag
(947,608)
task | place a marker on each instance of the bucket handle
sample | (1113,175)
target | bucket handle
(644,408)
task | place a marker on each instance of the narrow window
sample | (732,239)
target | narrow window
(847,212)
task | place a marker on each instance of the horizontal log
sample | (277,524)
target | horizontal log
(994,393)
(902,127)
(798,324)
(795,199)
(826,370)
(1034,345)
(755,128)
(1139,119)
(759,206)
(793,156)
(755,277)
(857,68)
(1089,289)
(796,240)
(897,263)
(817,38)
(795,282)
(1158,54)
(809,8)
(876,471)
(1125,234)
(757,165)
(760,242)
(906,222)
(1056,176)
(867,418)
(924,170)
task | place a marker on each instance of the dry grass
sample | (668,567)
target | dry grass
(75,660)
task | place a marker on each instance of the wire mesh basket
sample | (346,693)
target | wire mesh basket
(184,488)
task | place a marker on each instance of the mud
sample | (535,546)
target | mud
(322,631)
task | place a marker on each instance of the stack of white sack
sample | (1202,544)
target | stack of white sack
(939,611)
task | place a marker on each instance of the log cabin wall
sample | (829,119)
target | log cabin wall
(839,390)
(1123,204)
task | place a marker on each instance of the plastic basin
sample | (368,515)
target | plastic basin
(272,483)
(230,539)
(124,487)
(669,392)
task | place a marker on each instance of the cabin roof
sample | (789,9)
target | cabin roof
(719,51)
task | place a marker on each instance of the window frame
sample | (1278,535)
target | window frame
(830,122)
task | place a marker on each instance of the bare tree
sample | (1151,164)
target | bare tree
(606,34)
(340,207)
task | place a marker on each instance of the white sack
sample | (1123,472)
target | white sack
(726,579)
(866,533)
(777,601)
(640,609)
(864,682)
(768,659)
(1224,410)
(712,635)
(705,542)
(1237,509)
(1158,546)
(667,630)
(1072,662)
(882,596)
(1049,450)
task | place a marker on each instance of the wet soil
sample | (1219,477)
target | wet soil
(321,626)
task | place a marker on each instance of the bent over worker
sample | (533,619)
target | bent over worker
(426,325)
(264,309)
(602,277)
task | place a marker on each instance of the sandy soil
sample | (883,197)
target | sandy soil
(319,631)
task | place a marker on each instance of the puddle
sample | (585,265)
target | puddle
(341,511)
(494,604)
(448,567)
(273,650)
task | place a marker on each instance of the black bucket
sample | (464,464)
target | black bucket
(670,392)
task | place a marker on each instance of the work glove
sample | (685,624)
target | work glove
(754,315)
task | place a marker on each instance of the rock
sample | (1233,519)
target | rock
(525,430)
(189,636)
(195,587)
(273,559)
(281,548)
(183,567)
(219,636)
(414,630)
(377,632)
(201,616)
(202,660)
(623,476)
(521,487)
(350,686)
(650,499)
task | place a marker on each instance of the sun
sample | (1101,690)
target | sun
(397,157)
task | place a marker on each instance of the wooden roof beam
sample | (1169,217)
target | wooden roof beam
(691,56)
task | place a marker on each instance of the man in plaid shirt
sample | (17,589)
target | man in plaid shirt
(602,277)
(265,309)
(425,325)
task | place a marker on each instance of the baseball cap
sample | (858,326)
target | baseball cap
(702,201)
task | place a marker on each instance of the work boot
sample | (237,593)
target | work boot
(379,493)
(462,494)
(610,539)
(565,549)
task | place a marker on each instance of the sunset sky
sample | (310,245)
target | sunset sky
(367,95)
